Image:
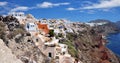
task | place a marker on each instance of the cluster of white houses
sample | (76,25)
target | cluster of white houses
(39,30)
(31,23)
(96,24)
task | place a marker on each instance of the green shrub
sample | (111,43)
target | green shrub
(51,33)
(71,48)
(2,30)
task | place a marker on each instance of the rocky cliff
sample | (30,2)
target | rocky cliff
(89,46)
(109,27)
(14,37)
(118,24)
(6,55)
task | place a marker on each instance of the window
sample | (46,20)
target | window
(32,25)
(15,14)
(28,26)
(64,46)
(36,40)
(63,53)
(28,40)
(20,15)
(28,34)
(50,54)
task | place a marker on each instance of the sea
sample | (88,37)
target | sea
(114,43)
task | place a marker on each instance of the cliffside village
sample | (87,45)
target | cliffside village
(49,45)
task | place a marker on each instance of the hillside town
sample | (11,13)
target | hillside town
(49,35)
(39,31)
(59,31)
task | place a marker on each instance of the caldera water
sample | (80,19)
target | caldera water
(114,43)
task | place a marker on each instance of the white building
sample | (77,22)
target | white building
(31,27)
(31,24)
(53,42)
(64,48)
(96,24)
(44,21)
(19,15)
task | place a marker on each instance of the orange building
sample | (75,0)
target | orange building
(43,28)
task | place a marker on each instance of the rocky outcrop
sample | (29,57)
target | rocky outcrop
(10,27)
(6,55)
(118,24)
(109,27)
(99,21)
(14,37)
(25,49)
(91,50)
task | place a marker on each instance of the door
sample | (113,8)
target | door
(50,54)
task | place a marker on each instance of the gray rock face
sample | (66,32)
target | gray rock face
(6,55)
(26,51)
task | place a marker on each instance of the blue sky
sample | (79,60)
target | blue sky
(74,10)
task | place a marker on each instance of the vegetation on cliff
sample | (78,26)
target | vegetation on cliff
(88,46)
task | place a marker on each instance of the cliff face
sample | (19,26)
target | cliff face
(26,50)
(118,24)
(109,27)
(89,47)
(15,38)
(6,55)
(113,24)
(22,52)
(92,50)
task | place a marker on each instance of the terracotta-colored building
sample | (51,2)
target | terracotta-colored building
(43,28)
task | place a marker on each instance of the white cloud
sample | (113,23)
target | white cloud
(71,9)
(50,5)
(45,5)
(103,4)
(20,8)
(3,3)
(65,3)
